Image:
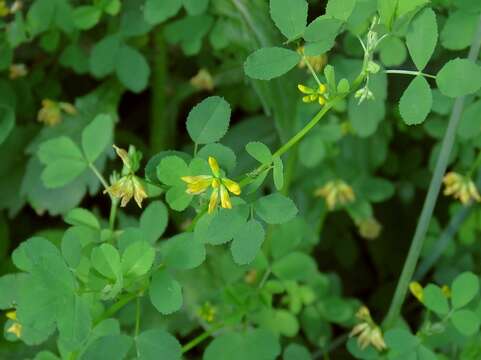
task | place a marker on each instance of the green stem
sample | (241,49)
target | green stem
(123,300)
(161,126)
(99,176)
(408,72)
(311,69)
(113,213)
(205,335)
(430,201)
(137,317)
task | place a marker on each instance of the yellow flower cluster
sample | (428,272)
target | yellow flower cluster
(336,192)
(311,95)
(207,312)
(16,327)
(221,186)
(367,331)
(17,71)
(317,62)
(51,112)
(203,80)
(127,186)
(461,188)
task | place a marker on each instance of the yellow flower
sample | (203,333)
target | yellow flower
(17,71)
(369,228)
(336,192)
(417,291)
(317,62)
(51,111)
(221,186)
(461,188)
(207,312)
(312,95)
(203,80)
(367,331)
(15,328)
(4,10)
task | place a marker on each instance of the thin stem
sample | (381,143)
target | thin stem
(430,201)
(205,335)
(113,213)
(265,278)
(311,69)
(409,72)
(99,176)
(137,317)
(123,300)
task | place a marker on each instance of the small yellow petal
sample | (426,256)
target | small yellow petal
(214,166)
(197,184)
(225,198)
(417,290)
(309,98)
(322,100)
(15,329)
(322,89)
(305,89)
(12,315)
(214,197)
(232,186)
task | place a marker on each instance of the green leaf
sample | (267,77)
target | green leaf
(74,240)
(278,173)
(137,258)
(416,101)
(86,17)
(459,30)
(340,9)
(296,352)
(195,7)
(177,198)
(156,11)
(290,17)
(82,217)
(132,69)
(258,344)
(224,155)
(270,62)
(74,323)
(8,290)
(152,343)
(103,58)
(312,150)
(465,321)
(401,343)
(275,208)
(464,288)
(74,57)
(435,300)
(323,28)
(392,51)
(153,221)
(106,260)
(469,126)
(221,226)
(109,347)
(63,159)
(387,11)
(405,7)
(209,121)
(183,252)
(247,242)
(97,136)
(294,266)
(459,77)
(165,292)
(259,151)
(7,122)
(171,169)
(422,37)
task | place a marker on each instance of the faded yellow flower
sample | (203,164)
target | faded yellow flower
(17,71)
(221,186)
(336,192)
(128,186)
(461,188)
(203,80)
(417,290)
(367,332)
(369,228)
(51,112)
(312,95)
(4,10)
(317,62)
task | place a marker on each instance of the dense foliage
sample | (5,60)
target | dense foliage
(240,179)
